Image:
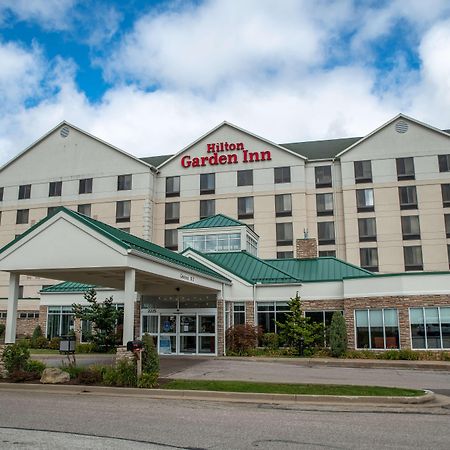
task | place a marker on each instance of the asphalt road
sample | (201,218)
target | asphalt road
(88,421)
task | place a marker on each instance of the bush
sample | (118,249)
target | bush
(271,341)
(124,374)
(2,329)
(409,355)
(35,368)
(241,339)
(148,380)
(85,348)
(338,335)
(39,342)
(150,357)
(16,357)
(54,343)
(91,375)
(109,376)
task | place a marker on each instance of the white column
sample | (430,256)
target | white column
(11,317)
(128,311)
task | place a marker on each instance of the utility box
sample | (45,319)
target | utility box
(133,346)
(67,344)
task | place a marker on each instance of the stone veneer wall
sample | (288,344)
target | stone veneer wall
(3,372)
(220,327)
(24,327)
(137,318)
(306,248)
(250,318)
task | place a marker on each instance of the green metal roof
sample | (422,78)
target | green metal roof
(127,241)
(68,286)
(250,268)
(326,268)
(327,149)
(217,221)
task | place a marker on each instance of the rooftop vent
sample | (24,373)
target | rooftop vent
(64,132)
(401,126)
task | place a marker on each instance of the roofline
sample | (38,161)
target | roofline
(398,116)
(64,122)
(235,127)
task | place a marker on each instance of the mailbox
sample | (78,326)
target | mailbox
(133,346)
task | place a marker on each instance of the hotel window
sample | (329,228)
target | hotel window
(172,186)
(369,259)
(408,197)
(124,182)
(172,212)
(283,205)
(123,211)
(55,188)
(2,189)
(207,208)
(171,239)
(364,200)
(85,209)
(323,176)
(285,255)
(410,227)
(269,313)
(405,169)
(284,234)
(324,204)
(324,253)
(207,183)
(324,318)
(51,210)
(22,216)
(24,191)
(413,257)
(444,163)
(208,243)
(239,313)
(363,171)
(376,328)
(325,233)
(85,186)
(430,327)
(447,225)
(245,207)
(282,175)
(245,177)
(20,293)
(445,195)
(60,321)
(367,229)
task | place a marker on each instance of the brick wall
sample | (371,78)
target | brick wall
(24,326)
(250,313)
(220,326)
(137,319)
(306,248)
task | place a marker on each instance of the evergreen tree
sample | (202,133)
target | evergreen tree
(338,334)
(150,357)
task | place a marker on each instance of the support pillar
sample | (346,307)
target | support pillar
(11,317)
(128,310)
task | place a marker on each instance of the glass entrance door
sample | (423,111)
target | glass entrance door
(188,334)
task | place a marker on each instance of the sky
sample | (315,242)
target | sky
(150,77)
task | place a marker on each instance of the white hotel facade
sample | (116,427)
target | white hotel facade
(379,202)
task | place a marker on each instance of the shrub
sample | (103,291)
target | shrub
(54,343)
(150,357)
(390,354)
(91,375)
(39,342)
(242,338)
(445,356)
(16,357)
(110,376)
(73,371)
(35,368)
(338,335)
(85,348)
(124,374)
(271,341)
(148,380)
(2,329)
(409,355)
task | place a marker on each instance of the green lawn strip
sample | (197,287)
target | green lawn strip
(299,389)
(43,351)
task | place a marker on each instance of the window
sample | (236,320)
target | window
(51,210)
(444,163)
(55,188)
(207,208)
(369,259)
(405,168)
(363,171)
(245,177)
(172,212)
(24,191)
(245,207)
(324,204)
(445,195)
(85,209)
(284,234)
(207,183)
(123,211)
(124,182)
(430,327)
(323,253)
(408,197)
(85,186)
(447,225)
(367,229)
(413,257)
(364,200)
(22,216)
(171,239)
(325,233)
(60,321)
(410,227)
(208,243)
(172,186)
(376,328)
(20,294)
(251,245)
(239,313)
(324,318)
(283,205)
(2,189)
(323,176)
(282,175)
(269,313)
(285,255)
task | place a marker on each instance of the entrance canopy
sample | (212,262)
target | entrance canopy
(72,247)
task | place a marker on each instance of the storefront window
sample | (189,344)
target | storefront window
(60,321)
(430,327)
(376,328)
(269,313)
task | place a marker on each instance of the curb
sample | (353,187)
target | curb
(242,397)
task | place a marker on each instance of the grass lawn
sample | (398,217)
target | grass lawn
(43,351)
(300,389)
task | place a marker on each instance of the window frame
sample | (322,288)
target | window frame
(409,236)
(403,171)
(425,327)
(370,267)
(171,218)
(245,214)
(444,163)
(327,181)
(171,245)
(412,267)
(324,241)
(283,212)
(26,214)
(324,212)
(361,167)
(241,177)
(174,180)
(282,174)
(125,182)
(406,189)
(288,254)
(55,189)
(85,186)
(124,217)
(367,237)
(445,195)
(208,189)
(207,202)
(361,193)
(284,226)
(24,192)
(82,206)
